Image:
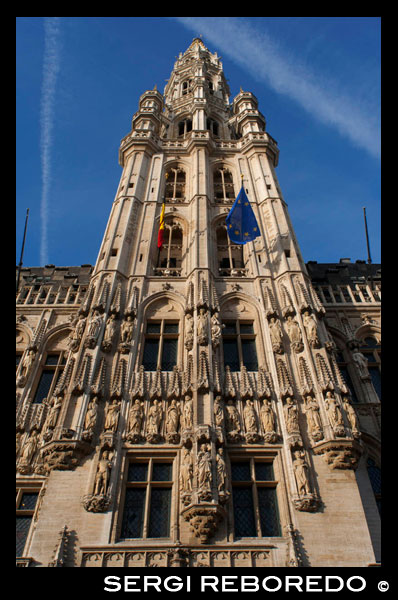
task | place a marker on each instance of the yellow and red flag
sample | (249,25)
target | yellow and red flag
(161,227)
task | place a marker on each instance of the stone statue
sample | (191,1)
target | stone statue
(93,329)
(102,475)
(155,415)
(313,416)
(311,328)
(188,331)
(77,333)
(351,416)
(218,410)
(202,327)
(136,417)
(112,416)
(186,472)
(301,473)
(172,417)
(232,417)
(95,325)
(26,367)
(291,416)
(29,448)
(294,334)
(204,471)
(126,330)
(215,330)
(275,330)
(52,417)
(188,413)
(361,363)
(334,412)
(221,471)
(91,415)
(267,416)
(249,417)
(110,329)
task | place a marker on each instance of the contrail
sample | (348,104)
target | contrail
(355,118)
(50,72)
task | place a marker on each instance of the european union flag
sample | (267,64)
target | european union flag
(241,223)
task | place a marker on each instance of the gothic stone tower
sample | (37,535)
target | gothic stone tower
(200,417)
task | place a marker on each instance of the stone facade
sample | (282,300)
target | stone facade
(205,404)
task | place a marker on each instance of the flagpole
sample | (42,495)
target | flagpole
(368,247)
(22,250)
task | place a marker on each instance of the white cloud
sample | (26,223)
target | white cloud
(51,64)
(355,118)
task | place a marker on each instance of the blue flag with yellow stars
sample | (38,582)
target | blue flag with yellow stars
(241,223)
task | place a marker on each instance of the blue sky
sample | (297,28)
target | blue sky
(78,82)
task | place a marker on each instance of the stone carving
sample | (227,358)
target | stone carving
(109,333)
(186,474)
(136,418)
(93,330)
(311,329)
(202,327)
(112,416)
(218,410)
(361,363)
(173,422)
(334,414)
(250,419)
(102,475)
(291,417)
(52,417)
(275,330)
(267,418)
(155,415)
(90,419)
(187,415)
(26,367)
(216,330)
(232,422)
(28,450)
(188,331)
(306,500)
(126,334)
(204,472)
(203,519)
(314,422)
(76,335)
(221,470)
(352,417)
(100,500)
(294,334)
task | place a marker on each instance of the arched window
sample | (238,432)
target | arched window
(184,127)
(186,86)
(371,348)
(212,126)
(175,184)
(224,192)
(169,260)
(229,255)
